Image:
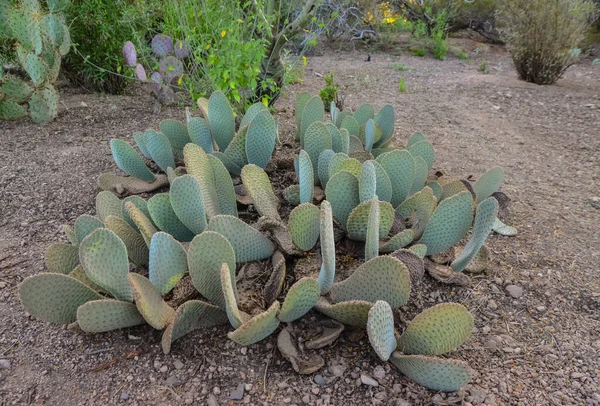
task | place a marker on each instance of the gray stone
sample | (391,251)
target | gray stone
(319,380)
(212,400)
(515,291)
(4,364)
(124,396)
(367,380)
(379,372)
(492,305)
(173,381)
(237,393)
(177,364)
(337,370)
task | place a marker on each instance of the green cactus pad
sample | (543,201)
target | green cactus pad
(419,250)
(43,105)
(413,262)
(108,204)
(137,250)
(372,237)
(129,184)
(400,240)
(149,302)
(383,184)
(138,202)
(488,184)
(301,102)
(356,144)
(317,138)
(291,195)
(188,203)
(369,135)
(142,222)
(229,291)
(260,139)
(484,221)
(313,111)
(199,133)
(104,258)
(385,119)
(418,208)
(449,223)
(367,183)
(452,188)
(480,261)
(177,135)
(228,163)
(54,28)
(306,177)
(70,233)
(336,138)
(351,165)
(345,141)
(35,67)
(361,156)
(340,117)
(421,171)
(342,193)
(381,278)
(61,258)
(304,226)
(323,166)
(335,162)
(400,167)
(130,161)
(424,149)
(359,218)
(327,272)
(248,243)
(351,125)
(99,316)
(56,6)
(252,112)
(85,224)
(439,374)
(436,188)
(190,316)
(236,150)
(167,262)
(302,296)
(15,89)
(221,119)
(257,328)
(380,328)
(503,229)
(259,188)
(160,150)
(207,253)
(164,217)
(79,274)
(11,111)
(437,330)
(353,312)
(224,187)
(416,137)
(364,113)
(54,297)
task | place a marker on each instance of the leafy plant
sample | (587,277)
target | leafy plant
(438,36)
(541,35)
(463,56)
(484,67)
(397,66)
(401,85)
(329,94)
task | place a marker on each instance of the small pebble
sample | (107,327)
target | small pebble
(515,291)
(367,380)
(4,364)
(177,364)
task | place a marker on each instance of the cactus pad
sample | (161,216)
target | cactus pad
(342,192)
(336,139)
(248,243)
(384,185)
(437,374)
(188,203)
(306,177)
(98,316)
(488,184)
(327,272)
(359,219)
(129,54)
(107,204)
(317,138)
(167,262)
(313,111)
(164,217)
(419,250)
(162,45)
(207,254)
(177,134)
(137,250)
(54,297)
(236,150)
(129,184)
(437,330)
(190,316)
(291,195)
(385,119)
(449,223)
(380,328)
(43,105)
(199,133)
(364,113)
(11,111)
(301,102)
(400,168)
(418,208)
(369,135)
(372,237)
(251,113)
(61,258)
(130,161)
(15,89)
(181,49)
(149,302)
(85,224)
(353,312)
(104,258)
(160,150)
(260,139)
(141,221)
(350,124)
(421,171)
(367,184)
(304,226)
(424,149)
(484,220)
(323,166)
(503,229)
(400,240)
(228,288)
(413,262)
(259,188)
(257,328)
(452,188)
(302,296)
(220,119)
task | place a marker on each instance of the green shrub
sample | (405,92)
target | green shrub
(99,28)
(484,67)
(401,85)
(542,34)
(438,36)
(400,67)
(329,93)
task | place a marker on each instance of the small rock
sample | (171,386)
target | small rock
(492,305)
(486,329)
(595,202)
(577,375)
(177,364)
(124,396)
(540,308)
(212,400)
(379,372)
(4,364)
(237,393)
(164,368)
(319,380)
(129,378)
(367,380)
(337,370)
(173,381)
(515,291)
(315,391)
(507,350)
(244,350)
(216,390)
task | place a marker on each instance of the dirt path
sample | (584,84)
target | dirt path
(542,348)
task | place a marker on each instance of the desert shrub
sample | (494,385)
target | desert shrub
(439,36)
(99,29)
(542,35)
(329,94)
(401,85)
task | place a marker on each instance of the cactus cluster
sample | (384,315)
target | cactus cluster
(191,238)
(41,38)
(214,134)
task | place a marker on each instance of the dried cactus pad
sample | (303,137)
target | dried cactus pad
(381,278)
(304,226)
(353,312)
(54,297)
(419,250)
(449,223)
(129,184)
(168,262)
(207,254)
(149,302)
(221,119)
(258,327)
(248,243)
(438,374)
(260,139)
(61,258)
(190,316)
(380,328)
(419,208)
(302,296)
(488,184)
(104,258)
(359,218)
(259,188)
(130,161)
(342,192)
(437,330)
(141,221)
(98,316)
(162,45)
(484,221)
